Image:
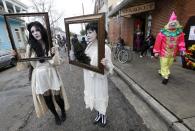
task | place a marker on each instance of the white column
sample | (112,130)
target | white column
(5,6)
(14,8)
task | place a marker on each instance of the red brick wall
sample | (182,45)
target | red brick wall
(119,28)
(160,16)
(113,30)
(125,30)
(187,9)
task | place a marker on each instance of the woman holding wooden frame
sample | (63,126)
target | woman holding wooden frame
(47,87)
(96,84)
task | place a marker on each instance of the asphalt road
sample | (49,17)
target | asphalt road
(17,110)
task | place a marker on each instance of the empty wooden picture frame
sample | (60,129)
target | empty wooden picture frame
(77,41)
(19,35)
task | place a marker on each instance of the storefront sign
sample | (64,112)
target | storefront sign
(138,9)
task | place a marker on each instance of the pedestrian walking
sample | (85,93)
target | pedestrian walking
(148,45)
(60,41)
(168,42)
(47,87)
(95,84)
(84,43)
(138,41)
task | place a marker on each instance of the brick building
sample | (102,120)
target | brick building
(129,15)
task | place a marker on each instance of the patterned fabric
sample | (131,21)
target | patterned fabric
(165,63)
(171,33)
(164,44)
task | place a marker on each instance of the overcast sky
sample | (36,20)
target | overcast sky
(69,8)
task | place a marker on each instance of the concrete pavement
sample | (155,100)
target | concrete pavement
(175,102)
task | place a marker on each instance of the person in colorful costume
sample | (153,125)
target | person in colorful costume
(168,42)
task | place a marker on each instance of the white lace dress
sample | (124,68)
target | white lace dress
(95,84)
(44,77)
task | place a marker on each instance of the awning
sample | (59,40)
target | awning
(126,3)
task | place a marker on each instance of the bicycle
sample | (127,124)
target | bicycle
(122,54)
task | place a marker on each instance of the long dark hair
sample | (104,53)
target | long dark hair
(34,44)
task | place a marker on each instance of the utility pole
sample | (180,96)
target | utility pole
(83,8)
(83,14)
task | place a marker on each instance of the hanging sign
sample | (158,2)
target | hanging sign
(138,9)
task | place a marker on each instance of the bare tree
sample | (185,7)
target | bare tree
(47,6)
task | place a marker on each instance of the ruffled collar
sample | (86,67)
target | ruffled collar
(170,33)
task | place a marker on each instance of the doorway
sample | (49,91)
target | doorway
(139,31)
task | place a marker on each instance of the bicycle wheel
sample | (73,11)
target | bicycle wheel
(123,56)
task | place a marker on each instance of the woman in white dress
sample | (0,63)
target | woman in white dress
(47,87)
(95,84)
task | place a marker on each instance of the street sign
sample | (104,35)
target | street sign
(138,9)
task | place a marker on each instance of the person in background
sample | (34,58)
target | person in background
(138,40)
(120,44)
(148,45)
(74,40)
(83,43)
(64,43)
(59,41)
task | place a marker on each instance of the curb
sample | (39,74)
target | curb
(169,118)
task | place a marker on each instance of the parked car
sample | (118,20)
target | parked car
(6,59)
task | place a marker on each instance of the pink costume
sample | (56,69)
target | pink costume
(168,42)
(167,46)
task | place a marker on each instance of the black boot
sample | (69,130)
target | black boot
(103,120)
(97,119)
(60,102)
(50,105)
(165,81)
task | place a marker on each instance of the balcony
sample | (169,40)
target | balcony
(12,6)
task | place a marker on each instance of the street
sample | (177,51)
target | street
(152,51)
(17,110)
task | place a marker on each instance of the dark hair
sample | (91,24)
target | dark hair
(92,26)
(34,44)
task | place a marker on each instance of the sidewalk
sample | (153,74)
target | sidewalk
(175,102)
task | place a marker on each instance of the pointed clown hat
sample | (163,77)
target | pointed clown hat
(173,18)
